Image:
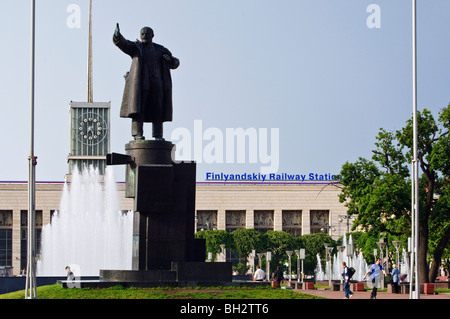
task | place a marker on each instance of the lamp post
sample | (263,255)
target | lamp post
(253,260)
(268,259)
(260,256)
(289,253)
(30,282)
(349,251)
(341,253)
(195,223)
(381,244)
(411,271)
(297,252)
(302,257)
(396,244)
(328,251)
(347,218)
(223,252)
(387,257)
(414,169)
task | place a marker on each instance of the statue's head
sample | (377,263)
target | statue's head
(146,34)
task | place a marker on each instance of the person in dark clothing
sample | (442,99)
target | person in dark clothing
(346,277)
(278,276)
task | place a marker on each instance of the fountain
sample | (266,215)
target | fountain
(89,232)
(350,257)
(320,274)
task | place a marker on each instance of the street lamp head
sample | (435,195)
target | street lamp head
(302,253)
(396,243)
(350,250)
(381,245)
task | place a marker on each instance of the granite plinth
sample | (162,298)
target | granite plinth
(164,247)
(138,275)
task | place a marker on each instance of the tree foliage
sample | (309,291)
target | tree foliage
(243,241)
(314,244)
(378,191)
(278,242)
(214,238)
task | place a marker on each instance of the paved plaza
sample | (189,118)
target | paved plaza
(327,293)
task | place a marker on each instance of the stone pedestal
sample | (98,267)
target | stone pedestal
(164,247)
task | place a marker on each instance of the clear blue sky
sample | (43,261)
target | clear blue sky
(311,68)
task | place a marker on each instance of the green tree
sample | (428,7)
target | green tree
(378,191)
(215,238)
(434,161)
(245,240)
(314,245)
(278,242)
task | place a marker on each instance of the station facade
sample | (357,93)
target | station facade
(295,208)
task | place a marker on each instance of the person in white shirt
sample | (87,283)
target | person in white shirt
(259,274)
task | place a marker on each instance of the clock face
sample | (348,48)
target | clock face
(91,128)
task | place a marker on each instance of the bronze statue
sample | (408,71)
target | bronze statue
(147,96)
(162,188)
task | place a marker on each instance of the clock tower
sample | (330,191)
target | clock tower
(89,124)
(89,135)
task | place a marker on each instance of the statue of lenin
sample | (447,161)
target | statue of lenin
(147,96)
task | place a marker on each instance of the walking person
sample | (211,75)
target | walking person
(278,276)
(395,278)
(346,277)
(375,271)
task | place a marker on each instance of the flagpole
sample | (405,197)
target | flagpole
(90,94)
(30,283)
(415,167)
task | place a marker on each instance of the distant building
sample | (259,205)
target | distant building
(295,208)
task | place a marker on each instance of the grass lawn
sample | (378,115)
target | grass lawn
(118,292)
